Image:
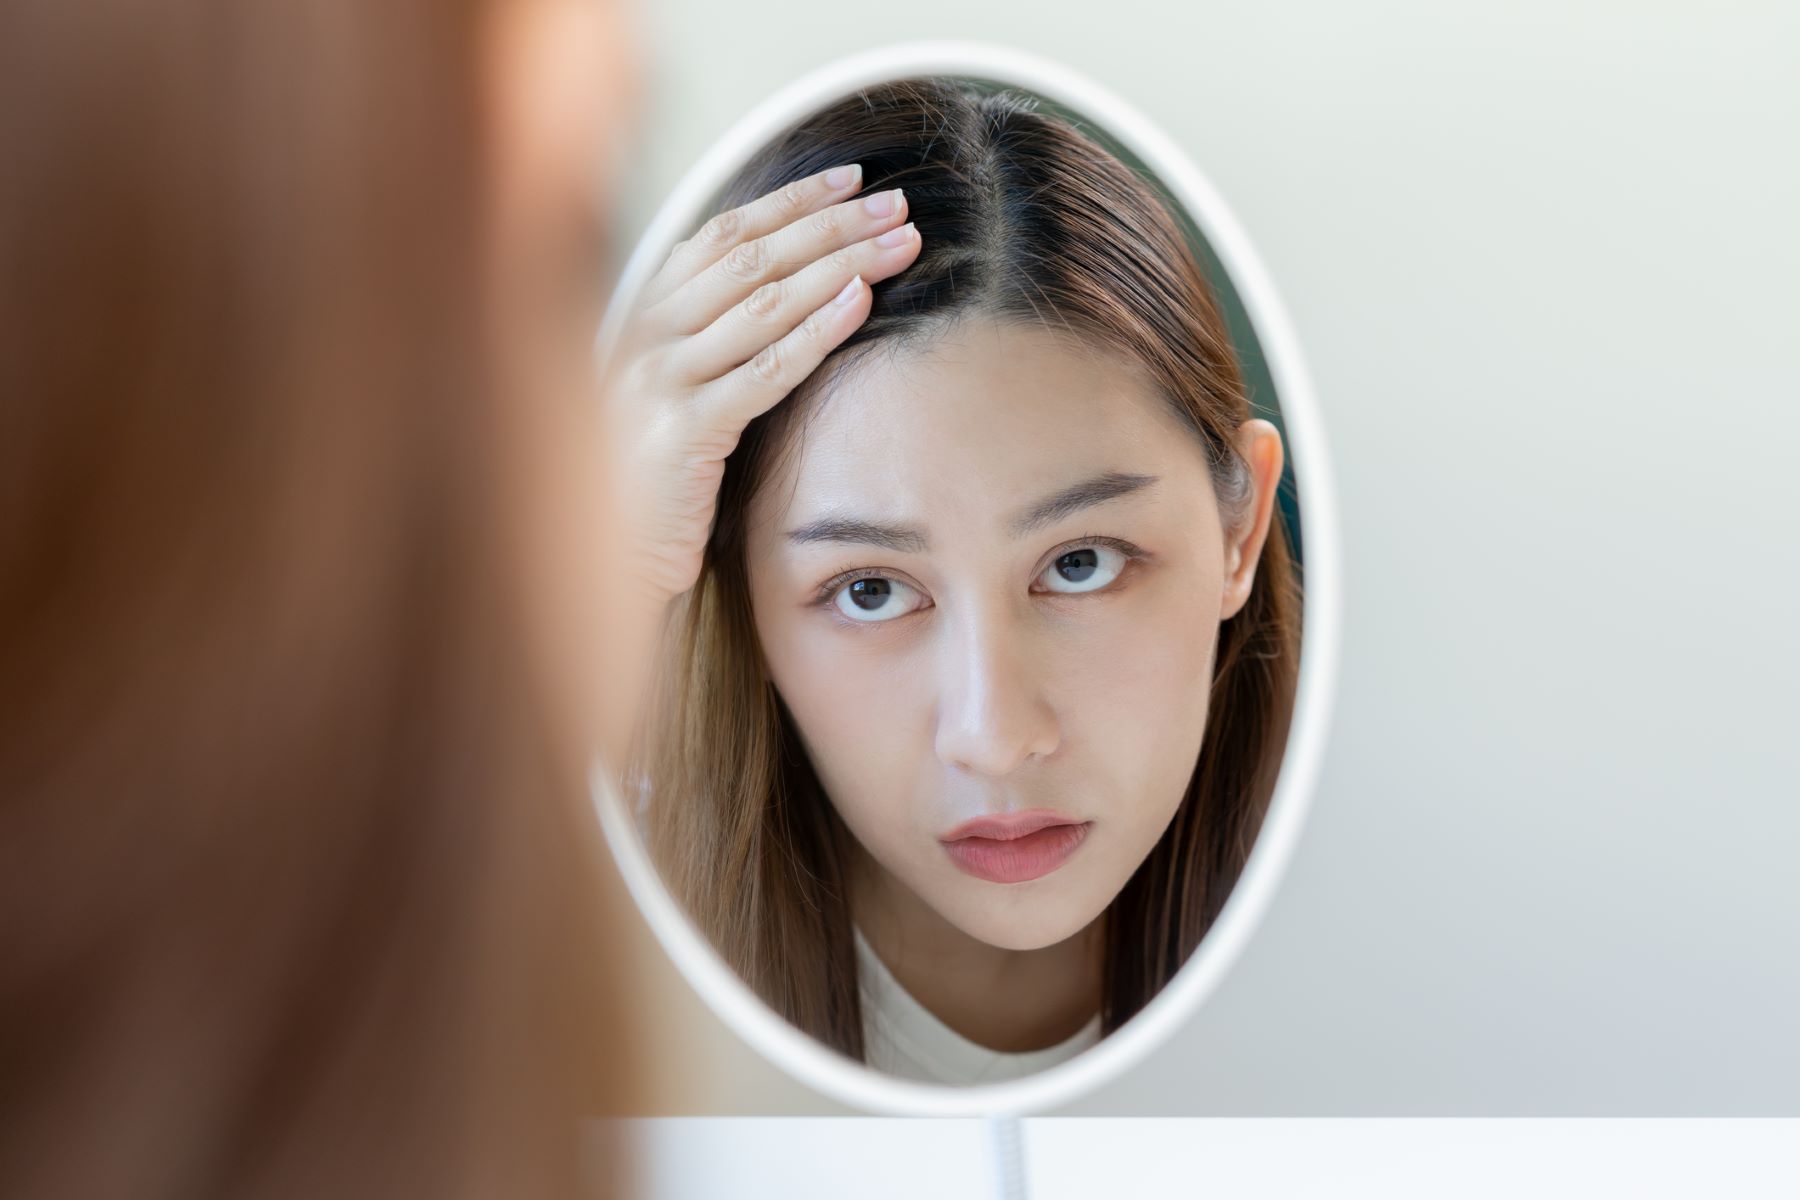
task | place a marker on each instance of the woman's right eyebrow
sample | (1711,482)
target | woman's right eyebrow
(902,538)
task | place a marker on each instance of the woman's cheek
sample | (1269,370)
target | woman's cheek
(1148,707)
(855,703)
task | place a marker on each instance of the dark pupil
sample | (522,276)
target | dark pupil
(1077,565)
(869,593)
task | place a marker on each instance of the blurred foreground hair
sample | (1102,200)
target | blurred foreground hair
(294,888)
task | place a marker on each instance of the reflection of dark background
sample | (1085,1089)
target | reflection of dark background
(1263,400)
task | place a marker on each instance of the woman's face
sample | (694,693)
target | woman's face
(988,580)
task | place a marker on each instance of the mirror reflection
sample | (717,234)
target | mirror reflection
(984,604)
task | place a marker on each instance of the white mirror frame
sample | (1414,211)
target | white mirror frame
(806,1059)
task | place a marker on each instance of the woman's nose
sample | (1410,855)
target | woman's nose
(993,715)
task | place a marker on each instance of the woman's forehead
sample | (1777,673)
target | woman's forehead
(978,419)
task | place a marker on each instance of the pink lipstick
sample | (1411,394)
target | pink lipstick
(1014,847)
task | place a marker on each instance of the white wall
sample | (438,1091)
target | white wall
(1543,259)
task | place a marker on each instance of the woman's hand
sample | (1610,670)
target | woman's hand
(737,317)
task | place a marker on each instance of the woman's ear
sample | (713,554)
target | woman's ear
(1260,444)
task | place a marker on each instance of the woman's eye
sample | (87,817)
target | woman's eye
(876,599)
(1087,569)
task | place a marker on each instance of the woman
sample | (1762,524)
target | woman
(980,678)
(298,888)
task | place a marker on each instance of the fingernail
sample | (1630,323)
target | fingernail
(896,237)
(849,292)
(843,177)
(883,204)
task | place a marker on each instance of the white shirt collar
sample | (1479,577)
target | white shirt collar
(902,1037)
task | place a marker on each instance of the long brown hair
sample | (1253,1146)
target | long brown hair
(1023,218)
(295,890)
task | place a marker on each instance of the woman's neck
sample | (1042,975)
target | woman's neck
(1006,1000)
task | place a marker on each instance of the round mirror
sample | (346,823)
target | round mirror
(981,743)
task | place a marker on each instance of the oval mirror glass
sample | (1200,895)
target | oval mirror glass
(981,742)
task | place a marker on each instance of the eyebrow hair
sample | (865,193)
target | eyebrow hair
(843,529)
(1086,494)
(908,540)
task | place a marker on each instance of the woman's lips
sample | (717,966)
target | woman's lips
(1014,847)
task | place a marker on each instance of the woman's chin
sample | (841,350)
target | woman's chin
(1021,924)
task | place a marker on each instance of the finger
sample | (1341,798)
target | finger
(778,255)
(732,401)
(775,308)
(761,216)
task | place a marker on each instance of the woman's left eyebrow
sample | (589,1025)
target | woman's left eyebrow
(1089,492)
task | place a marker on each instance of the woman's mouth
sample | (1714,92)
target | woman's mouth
(1014,847)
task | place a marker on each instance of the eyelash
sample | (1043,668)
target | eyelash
(845,577)
(1133,554)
